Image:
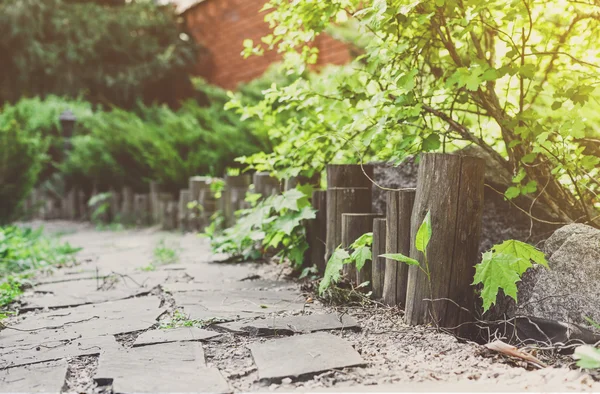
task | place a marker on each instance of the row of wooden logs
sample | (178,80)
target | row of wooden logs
(451,188)
(191,211)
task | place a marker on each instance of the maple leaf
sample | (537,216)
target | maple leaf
(497,271)
(333,270)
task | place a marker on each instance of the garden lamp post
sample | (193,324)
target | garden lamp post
(67,121)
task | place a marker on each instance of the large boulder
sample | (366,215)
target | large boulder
(570,290)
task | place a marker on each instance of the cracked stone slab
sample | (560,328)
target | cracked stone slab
(289,325)
(24,355)
(303,355)
(180,334)
(234,304)
(211,273)
(39,378)
(169,367)
(109,318)
(231,285)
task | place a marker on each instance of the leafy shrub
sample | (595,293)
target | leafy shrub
(517,82)
(21,159)
(124,52)
(273,224)
(24,251)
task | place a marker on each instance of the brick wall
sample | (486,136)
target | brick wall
(221,26)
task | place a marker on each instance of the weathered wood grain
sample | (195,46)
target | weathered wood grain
(378,263)
(399,206)
(451,188)
(339,201)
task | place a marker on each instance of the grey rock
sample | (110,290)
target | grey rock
(39,378)
(569,291)
(170,367)
(85,321)
(24,355)
(289,325)
(303,355)
(180,334)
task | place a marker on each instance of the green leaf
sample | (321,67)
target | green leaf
(360,256)
(521,251)
(364,240)
(333,269)
(432,142)
(400,257)
(289,199)
(496,271)
(512,192)
(587,357)
(424,234)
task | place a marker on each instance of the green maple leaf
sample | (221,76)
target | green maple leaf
(497,271)
(525,253)
(333,271)
(288,222)
(360,256)
(290,199)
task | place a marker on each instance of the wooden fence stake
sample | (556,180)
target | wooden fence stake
(265,184)
(450,187)
(378,263)
(353,226)
(349,175)
(399,209)
(339,201)
(234,196)
(169,215)
(127,205)
(183,211)
(154,201)
(316,231)
(141,209)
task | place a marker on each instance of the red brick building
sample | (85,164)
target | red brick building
(221,26)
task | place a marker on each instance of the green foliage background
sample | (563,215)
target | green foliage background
(108,51)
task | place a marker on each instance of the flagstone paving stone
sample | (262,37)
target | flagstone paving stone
(303,355)
(289,325)
(169,367)
(85,321)
(236,304)
(31,354)
(38,378)
(180,334)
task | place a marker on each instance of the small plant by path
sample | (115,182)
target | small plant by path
(162,255)
(180,319)
(23,252)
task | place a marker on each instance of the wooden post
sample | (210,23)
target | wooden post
(399,209)
(234,196)
(115,203)
(82,209)
(353,226)
(339,201)
(183,216)
(349,175)
(316,232)
(169,215)
(199,187)
(450,187)
(265,184)
(141,209)
(154,202)
(71,204)
(378,264)
(127,205)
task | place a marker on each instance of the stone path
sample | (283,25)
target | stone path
(120,322)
